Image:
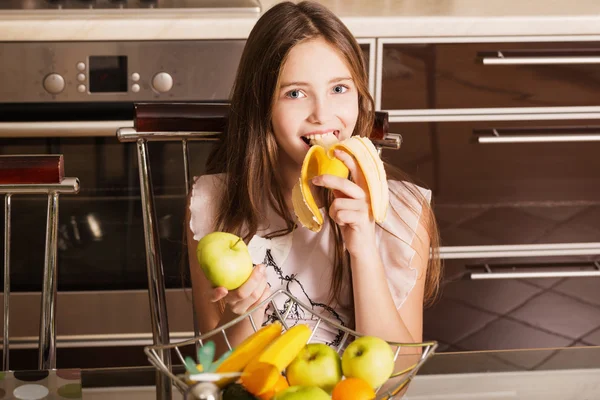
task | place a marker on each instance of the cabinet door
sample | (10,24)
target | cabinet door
(503,193)
(490,75)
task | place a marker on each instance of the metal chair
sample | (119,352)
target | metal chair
(185,122)
(35,174)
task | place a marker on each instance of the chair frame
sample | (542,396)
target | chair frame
(47,337)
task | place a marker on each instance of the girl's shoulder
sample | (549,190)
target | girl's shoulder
(204,196)
(208,186)
(407,201)
(409,194)
(397,234)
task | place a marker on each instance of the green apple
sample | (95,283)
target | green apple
(316,365)
(302,393)
(369,358)
(224,259)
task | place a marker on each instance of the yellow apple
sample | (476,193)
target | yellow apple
(316,365)
(224,259)
(369,358)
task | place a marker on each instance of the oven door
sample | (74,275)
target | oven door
(103,303)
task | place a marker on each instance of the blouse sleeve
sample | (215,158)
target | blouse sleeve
(396,235)
(205,196)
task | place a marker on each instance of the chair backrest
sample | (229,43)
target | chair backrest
(184,122)
(35,174)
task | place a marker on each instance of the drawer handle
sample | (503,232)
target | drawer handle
(503,59)
(520,250)
(538,135)
(578,273)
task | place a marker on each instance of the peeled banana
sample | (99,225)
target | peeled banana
(320,160)
(263,372)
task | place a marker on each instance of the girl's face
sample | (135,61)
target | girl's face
(317,96)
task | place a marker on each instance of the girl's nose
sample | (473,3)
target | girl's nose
(321,111)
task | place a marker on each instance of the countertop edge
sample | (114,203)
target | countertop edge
(18,27)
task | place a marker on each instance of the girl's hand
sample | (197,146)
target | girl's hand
(351,208)
(250,294)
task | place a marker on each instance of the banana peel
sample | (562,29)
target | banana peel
(320,159)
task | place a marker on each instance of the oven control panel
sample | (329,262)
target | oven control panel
(118,71)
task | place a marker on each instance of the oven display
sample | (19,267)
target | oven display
(108,74)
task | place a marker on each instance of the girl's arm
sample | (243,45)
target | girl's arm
(206,304)
(375,311)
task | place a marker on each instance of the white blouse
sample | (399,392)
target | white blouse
(302,261)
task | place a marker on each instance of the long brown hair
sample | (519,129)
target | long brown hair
(248,152)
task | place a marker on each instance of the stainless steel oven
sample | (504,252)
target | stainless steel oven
(70,98)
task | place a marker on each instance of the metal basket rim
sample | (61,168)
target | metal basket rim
(241,317)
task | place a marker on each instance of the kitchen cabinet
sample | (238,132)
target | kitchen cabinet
(506,135)
(490,75)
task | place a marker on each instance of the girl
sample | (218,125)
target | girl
(302,73)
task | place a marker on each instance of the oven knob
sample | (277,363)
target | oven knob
(54,83)
(162,82)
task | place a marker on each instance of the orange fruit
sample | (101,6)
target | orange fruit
(353,389)
(281,384)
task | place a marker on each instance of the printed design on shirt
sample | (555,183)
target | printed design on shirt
(297,313)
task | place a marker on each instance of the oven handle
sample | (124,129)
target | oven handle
(489,274)
(61,128)
(520,250)
(496,136)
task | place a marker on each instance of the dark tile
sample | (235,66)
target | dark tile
(590,218)
(504,334)
(543,282)
(559,314)
(453,270)
(555,213)
(593,338)
(572,358)
(448,215)
(580,343)
(526,358)
(495,295)
(572,233)
(585,289)
(449,321)
(508,225)
(459,236)
(465,362)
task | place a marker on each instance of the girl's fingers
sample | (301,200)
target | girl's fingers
(348,160)
(343,185)
(349,204)
(218,294)
(239,294)
(266,293)
(347,217)
(242,306)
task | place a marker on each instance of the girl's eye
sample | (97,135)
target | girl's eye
(338,89)
(295,94)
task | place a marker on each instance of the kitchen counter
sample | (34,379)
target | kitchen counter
(566,373)
(413,19)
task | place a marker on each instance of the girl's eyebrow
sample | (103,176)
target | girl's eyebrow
(333,80)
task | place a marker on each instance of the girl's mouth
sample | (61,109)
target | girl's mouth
(328,137)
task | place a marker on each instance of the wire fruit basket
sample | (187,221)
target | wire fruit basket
(405,369)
